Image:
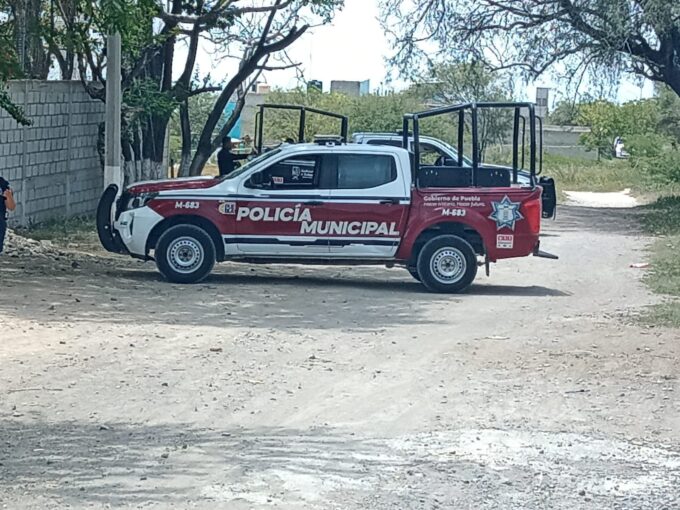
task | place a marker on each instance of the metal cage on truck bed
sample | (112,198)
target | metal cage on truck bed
(303,111)
(478,174)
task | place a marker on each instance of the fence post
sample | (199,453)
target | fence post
(24,186)
(68,150)
(112,170)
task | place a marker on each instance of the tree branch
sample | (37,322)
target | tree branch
(220,11)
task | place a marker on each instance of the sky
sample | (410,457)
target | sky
(355,47)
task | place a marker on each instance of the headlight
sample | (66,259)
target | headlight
(137,201)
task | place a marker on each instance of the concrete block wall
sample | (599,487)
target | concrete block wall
(52,165)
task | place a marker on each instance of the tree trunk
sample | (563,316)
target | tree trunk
(33,58)
(185,124)
(149,148)
(673,77)
(200,159)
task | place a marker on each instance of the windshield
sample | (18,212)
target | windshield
(244,168)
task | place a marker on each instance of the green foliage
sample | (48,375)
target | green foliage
(602,120)
(572,174)
(370,113)
(663,218)
(16,112)
(448,84)
(664,167)
(80,231)
(565,113)
(669,114)
(608,120)
(9,69)
(143,98)
(594,40)
(200,106)
(645,145)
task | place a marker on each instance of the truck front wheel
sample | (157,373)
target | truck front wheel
(447,263)
(185,254)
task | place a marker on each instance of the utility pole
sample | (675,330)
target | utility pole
(112,171)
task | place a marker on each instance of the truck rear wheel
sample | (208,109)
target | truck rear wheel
(185,254)
(413,272)
(447,263)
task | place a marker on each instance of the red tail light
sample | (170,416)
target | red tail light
(532,213)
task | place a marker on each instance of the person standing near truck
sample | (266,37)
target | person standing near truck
(7,203)
(226,159)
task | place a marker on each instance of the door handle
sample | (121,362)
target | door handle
(314,202)
(390,201)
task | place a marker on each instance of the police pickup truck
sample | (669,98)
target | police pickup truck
(331,202)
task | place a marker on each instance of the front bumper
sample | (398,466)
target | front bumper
(134,228)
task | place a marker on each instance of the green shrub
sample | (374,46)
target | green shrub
(664,168)
(645,145)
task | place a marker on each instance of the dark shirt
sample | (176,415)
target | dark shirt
(225,161)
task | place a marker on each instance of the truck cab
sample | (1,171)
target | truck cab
(329,202)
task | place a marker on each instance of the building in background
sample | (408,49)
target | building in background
(365,88)
(236,130)
(350,88)
(542,102)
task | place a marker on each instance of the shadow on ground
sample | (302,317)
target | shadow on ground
(120,464)
(169,465)
(281,297)
(594,219)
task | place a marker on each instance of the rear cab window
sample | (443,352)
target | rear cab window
(364,171)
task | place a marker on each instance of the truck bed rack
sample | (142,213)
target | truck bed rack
(479,170)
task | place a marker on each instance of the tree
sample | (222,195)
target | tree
(565,113)
(370,113)
(603,119)
(20,24)
(156,81)
(448,84)
(669,113)
(9,66)
(610,36)
(608,120)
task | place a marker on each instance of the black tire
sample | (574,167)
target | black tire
(413,272)
(185,254)
(447,264)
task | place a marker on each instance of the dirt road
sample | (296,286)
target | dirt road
(341,388)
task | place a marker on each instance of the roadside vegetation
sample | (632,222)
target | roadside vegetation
(662,219)
(74,233)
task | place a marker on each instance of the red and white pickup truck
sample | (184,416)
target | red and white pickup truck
(331,204)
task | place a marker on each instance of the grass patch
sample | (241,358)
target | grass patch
(79,233)
(662,218)
(664,314)
(573,174)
